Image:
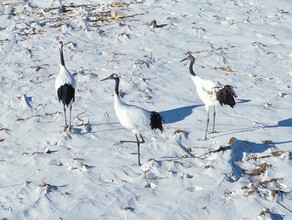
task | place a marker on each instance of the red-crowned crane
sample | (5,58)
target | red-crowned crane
(211,93)
(65,87)
(134,118)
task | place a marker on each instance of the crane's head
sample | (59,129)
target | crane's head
(189,57)
(60,45)
(112,76)
(154,22)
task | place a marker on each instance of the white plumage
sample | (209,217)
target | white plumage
(64,77)
(206,90)
(134,118)
(65,86)
(211,93)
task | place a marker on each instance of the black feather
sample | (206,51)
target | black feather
(226,96)
(66,93)
(156,121)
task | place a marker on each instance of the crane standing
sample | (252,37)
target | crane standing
(211,93)
(65,87)
(133,117)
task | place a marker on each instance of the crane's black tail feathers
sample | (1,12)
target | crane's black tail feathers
(156,121)
(226,96)
(66,93)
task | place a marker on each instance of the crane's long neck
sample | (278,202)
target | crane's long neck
(118,101)
(117,87)
(62,56)
(191,68)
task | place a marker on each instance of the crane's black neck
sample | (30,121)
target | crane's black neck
(62,56)
(191,68)
(117,86)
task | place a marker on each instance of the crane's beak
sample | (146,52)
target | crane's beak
(106,78)
(183,59)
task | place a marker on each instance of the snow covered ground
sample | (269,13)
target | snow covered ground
(241,172)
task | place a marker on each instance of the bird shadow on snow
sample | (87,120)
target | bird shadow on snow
(238,149)
(240,101)
(177,114)
(283,123)
(103,127)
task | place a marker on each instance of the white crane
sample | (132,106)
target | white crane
(65,87)
(134,118)
(211,93)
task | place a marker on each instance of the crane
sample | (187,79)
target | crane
(133,117)
(211,93)
(65,87)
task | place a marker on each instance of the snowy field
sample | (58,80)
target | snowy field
(243,171)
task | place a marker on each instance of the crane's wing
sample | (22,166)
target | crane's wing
(139,117)
(225,95)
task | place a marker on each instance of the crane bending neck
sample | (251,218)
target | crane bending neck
(191,68)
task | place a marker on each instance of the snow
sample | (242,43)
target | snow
(240,172)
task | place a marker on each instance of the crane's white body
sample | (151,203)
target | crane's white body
(64,77)
(132,117)
(207,90)
(210,92)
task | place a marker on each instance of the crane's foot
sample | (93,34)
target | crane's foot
(68,128)
(118,143)
(203,139)
(206,138)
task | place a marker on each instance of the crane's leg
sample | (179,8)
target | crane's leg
(142,142)
(70,115)
(138,142)
(214,115)
(65,115)
(135,142)
(208,119)
(122,141)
